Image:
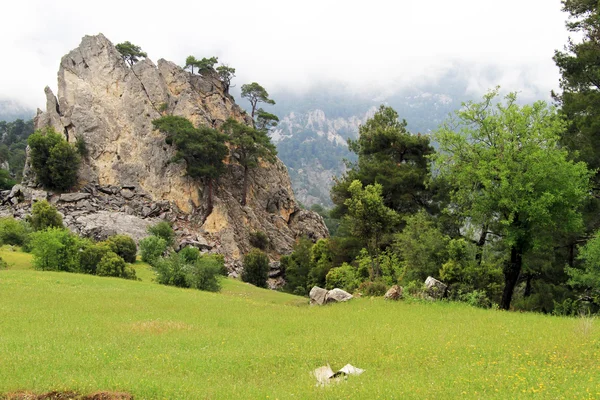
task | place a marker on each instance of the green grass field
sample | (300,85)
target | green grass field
(61,331)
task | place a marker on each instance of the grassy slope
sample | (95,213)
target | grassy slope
(85,333)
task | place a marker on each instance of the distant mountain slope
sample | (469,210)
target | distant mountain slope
(11,110)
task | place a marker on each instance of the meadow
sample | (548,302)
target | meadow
(61,331)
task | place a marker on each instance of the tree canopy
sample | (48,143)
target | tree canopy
(130,52)
(255,94)
(508,172)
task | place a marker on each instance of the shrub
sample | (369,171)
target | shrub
(56,249)
(163,230)
(113,265)
(343,277)
(256,268)
(296,268)
(81,146)
(202,273)
(14,232)
(373,288)
(54,161)
(189,254)
(3,264)
(151,248)
(259,239)
(43,216)
(6,182)
(91,255)
(170,270)
(124,246)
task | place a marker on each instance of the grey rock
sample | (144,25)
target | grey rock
(317,295)
(74,197)
(337,295)
(434,288)
(128,194)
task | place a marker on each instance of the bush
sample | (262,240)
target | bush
(189,254)
(151,248)
(163,230)
(123,246)
(373,288)
(14,232)
(43,216)
(54,161)
(259,239)
(91,255)
(6,182)
(256,268)
(56,249)
(113,265)
(202,273)
(343,277)
(3,264)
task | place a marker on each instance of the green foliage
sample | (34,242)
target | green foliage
(321,261)
(55,249)
(189,254)
(259,239)
(163,230)
(13,141)
(190,270)
(43,215)
(255,94)
(265,121)
(112,264)
(151,248)
(81,146)
(343,277)
(14,232)
(54,161)
(226,74)
(373,288)
(204,65)
(91,255)
(3,264)
(386,262)
(331,223)
(587,278)
(6,182)
(421,246)
(369,217)
(130,52)
(508,172)
(297,267)
(124,246)
(256,268)
(390,156)
(247,147)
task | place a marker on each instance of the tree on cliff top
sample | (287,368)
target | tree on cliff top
(255,94)
(248,145)
(203,149)
(130,52)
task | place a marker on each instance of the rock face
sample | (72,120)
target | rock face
(110,106)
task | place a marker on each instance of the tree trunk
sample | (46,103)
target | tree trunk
(571,254)
(210,197)
(512,270)
(528,285)
(480,244)
(245,190)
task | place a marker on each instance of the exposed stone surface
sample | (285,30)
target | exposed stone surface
(317,295)
(434,288)
(128,172)
(394,293)
(337,295)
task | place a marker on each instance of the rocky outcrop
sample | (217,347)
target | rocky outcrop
(128,172)
(320,296)
(394,293)
(435,289)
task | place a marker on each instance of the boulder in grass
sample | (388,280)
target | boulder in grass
(337,295)
(317,295)
(434,288)
(394,293)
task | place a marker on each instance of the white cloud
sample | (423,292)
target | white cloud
(295,44)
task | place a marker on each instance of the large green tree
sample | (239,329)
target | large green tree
(394,158)
(203,149)
(509,173)
(248,145)
(130,52)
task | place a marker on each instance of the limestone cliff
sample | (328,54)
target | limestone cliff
(128,171)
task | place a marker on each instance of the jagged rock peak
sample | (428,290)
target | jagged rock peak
(110,105)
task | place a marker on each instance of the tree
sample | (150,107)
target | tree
(130,52)
(226,74)
(206,65)
(163,230)
(54,161)
(256,268)
(394,158)
(203,149)
(191,62)
(124,246)
(44,216)
(508,172)
(248,146)
(265,121)
(368,217)
(255,94)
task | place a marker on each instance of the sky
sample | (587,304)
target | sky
(298,45)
